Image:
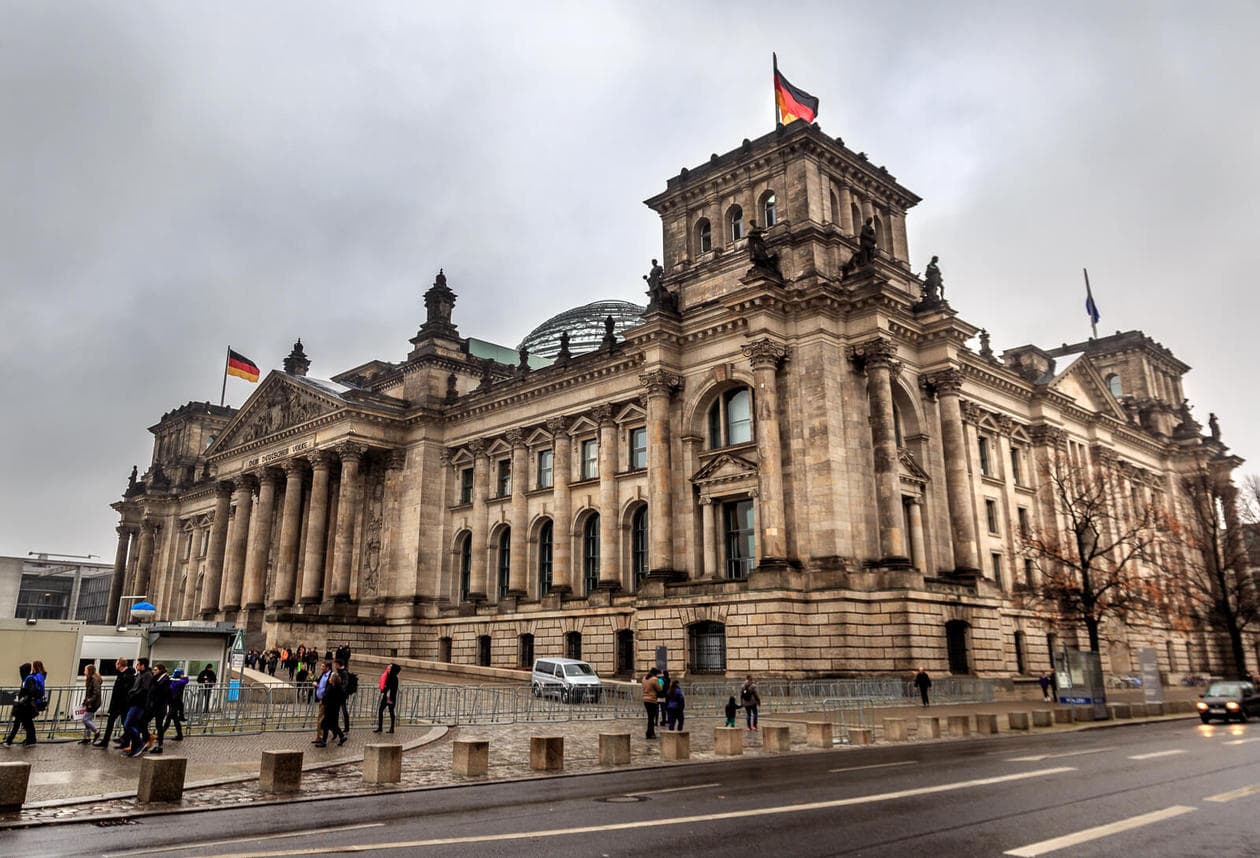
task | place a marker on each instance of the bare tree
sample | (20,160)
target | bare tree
(1089,558)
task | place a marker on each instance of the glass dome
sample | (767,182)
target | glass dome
(585,325)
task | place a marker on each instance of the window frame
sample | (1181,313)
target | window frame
(991,516)
(637,454)
(588,449)
(984,454)
(735,223)
(546,554)
(704,236)
(466,479)
(503,478)
(738,566)
(769,209)
(720,422)
(503,558)
(590,553)
(639,545)
(546,463)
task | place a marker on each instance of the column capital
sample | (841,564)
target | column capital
(321,460)
(558,425)
(148,524)
(349,451)
(396,460)
(293,466)
(661,382)
(224,488)
(945,382)
(971,412)
(478,447)
(603,415)
(247,483)
(515,437)
(266,475)
(764,352)
(876,352)
(124,530)
(1047,436)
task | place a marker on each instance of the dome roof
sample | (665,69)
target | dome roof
(585,325)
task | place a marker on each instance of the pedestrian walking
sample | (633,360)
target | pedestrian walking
(24,706)
(731,708)
(663,681)
(175,710)
(124,676)
(651,694)
(749,701)
(334,700)
(321,689)
(135,735)
(389,696)
(923,682)
(349,685)
(205,686)
(91,702)
(675,704)
(1044,682)
(159,707)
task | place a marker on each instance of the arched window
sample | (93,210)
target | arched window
(505,561)
(1113,384)
(856,213)
(956,647)
(638,545)
(590,553)
(834,211)
(735,223)
(706,647)
(730,418)
(544,558)
(881,236)
(704,236)
(465,567)
(769,209)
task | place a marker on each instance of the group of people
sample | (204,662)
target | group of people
(665,704)
(298,662)
(30,700)
(149,701)
(332,692)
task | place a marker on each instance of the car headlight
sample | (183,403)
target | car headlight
(1231,706)
(1203,707)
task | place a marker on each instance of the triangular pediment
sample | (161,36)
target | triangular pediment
(630,414)
(725,468)
(277,405)
(910,469)
(1082,383)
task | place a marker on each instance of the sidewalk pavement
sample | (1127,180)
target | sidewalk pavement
(70,781)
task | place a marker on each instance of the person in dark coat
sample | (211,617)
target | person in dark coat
(923,682)
(24,706)
(137,718)
(175,711)
(117,700)
(334,699)
(675,703)
(389,697)
(159,705)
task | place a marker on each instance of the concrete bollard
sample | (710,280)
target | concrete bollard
(818,734)
(1042,718)
(470,757)
(895,730)
(959,725)
(382,764)
(861,736)
(1119,711)
(614,749)
(676,745)
(929,727)
(1082,713)
(1062,715)
(728,741)
(14,778)
(161,779)
(776,739)
(986,724)
(281,771)
(546,753)
(1017,720)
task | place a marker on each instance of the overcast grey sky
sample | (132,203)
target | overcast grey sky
(180,176)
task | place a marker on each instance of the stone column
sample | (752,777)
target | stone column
(947,385)
(878,356)
(609,531)
(260,545)
(765,356)
(285,591)
(709,538)
(347,515)
(561,476)
(244,496)
(316,529)
(213,578)
(661,386)
(144,565)
(846,211)
(917,543)
(397,587)
(518,572)
(119,579)
(481,573)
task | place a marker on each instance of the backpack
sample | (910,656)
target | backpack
(41,701)
(352,683)
(384,676)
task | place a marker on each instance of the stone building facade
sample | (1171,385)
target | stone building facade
(794,464)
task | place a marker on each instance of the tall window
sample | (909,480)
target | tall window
(1022,518)
(769,210)
(730,418)
(465,485)
(1114,385)
(590,553)
(956,647)
(638,448)
(465,567)
(1021,659)
(997,568)
(639,545)
(205,542)
(704,236)
(504,477)
(741,545)
(835,208)
(590,459)
(991,515)
(525,650)
(544,558)
(1029,566)
(505,561)
(986,467)
(545,459)
(735,223)
(1017,473)
(572,644)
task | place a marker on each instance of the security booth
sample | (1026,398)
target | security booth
(190,645)
(1078,678)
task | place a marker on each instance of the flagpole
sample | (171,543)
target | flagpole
(1090,294)
(774,87)
(227,358)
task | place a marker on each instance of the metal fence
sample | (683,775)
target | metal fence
(233,708)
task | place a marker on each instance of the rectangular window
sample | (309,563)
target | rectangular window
(465,485)
(544,469)
(188,543)
(205,542)
(1022,515)
(1028,573)
(991,515)
(503,479)
(638,448)
(740,538)
(1017,475)
(997,568)
(985,467)
(590,459)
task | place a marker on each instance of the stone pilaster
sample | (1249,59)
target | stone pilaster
(518,572)
(400,583)
(609,548)
(144,566)
(316,529)
(213,578)
(482,581)
(561,535)
(285,591)
(878,356)
(918,545)
(119,579)
(765,355)
(260,544)
(661,386)
(709,539)
(947,385)
(347,516)
(233,587)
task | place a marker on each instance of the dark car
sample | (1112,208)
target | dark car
(1229,700)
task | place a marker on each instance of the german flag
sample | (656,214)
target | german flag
(793,103)
(241,366)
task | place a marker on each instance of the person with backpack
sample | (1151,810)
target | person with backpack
(388,685)
(24,706)
(349,685)
(159,706)
(175,709)
(117,700)
(91,702)
(135,735)
(334,703)
(749,701)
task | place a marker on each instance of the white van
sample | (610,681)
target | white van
(571,680)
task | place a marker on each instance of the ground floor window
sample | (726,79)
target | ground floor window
(706,647)
(1052,647)
(1021,661)
(741,543)
(956,647)
(625,652)
(444,650)
(573,645)
(483,650)
(526,654)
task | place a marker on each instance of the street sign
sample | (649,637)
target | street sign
(238,645)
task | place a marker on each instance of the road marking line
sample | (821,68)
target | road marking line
(1222,797)
(1242,741)
(654,823)
(1040,757)
(875,766)
(308,831)
(1034,849)
(671,789)
(1153,754)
